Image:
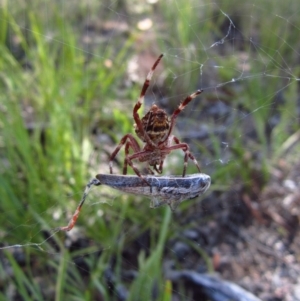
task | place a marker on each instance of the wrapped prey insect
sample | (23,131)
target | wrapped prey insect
(163,190)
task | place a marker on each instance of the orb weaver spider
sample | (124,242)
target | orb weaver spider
(155,130)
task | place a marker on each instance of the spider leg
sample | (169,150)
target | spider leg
(150,170)
(156,169)
(130,163)
(127,145)
(141,100)
(188,154)
(185,162)
(160,167)
(185,148)
(129,141)
(183,104)
(139,155)
(132,142)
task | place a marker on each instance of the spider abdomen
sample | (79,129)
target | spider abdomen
(156,124)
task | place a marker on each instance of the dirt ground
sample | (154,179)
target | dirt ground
(253,240)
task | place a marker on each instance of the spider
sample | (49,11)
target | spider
(155,130)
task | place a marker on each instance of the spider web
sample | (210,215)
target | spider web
(244,56)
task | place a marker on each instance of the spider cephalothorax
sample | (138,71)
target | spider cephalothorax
(155,130)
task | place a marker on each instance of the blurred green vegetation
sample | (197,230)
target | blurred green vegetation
(56,89)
